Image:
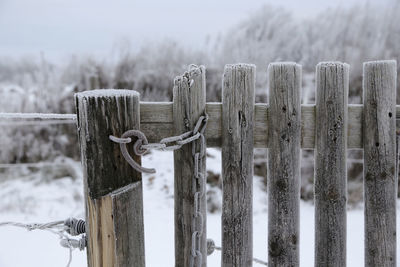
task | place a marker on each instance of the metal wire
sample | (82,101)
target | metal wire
(20,119)
(59,228)
(220,249)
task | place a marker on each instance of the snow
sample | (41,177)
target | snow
(30,199)
(107,93)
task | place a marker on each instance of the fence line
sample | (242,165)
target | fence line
(114,191)
(157,123)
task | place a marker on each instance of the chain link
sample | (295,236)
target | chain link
(171,143)
(198,190)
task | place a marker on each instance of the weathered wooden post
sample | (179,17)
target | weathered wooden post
(332,85)
(238,90)
(284,164)
(113,189)
(380,170)
(189,104)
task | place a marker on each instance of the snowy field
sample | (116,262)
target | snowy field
(29,199)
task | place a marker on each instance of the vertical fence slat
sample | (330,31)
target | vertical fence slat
(189,103)
(113,190)
(237,164)
(380,175)
(284,164)
(332,84)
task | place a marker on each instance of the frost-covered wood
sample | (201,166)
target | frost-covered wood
(113,189)
(189,104)
(284,164)
(157,123)
(380,171)
(37,116)
(237,120)
(25,119)
(330,186)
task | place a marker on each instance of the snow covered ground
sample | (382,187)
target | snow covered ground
(29,199)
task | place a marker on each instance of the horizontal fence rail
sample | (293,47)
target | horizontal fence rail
(156,120)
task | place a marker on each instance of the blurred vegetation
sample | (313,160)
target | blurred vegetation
(353,35)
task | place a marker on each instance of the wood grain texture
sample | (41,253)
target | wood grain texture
(100,232)
(127,208)
(157,123)
(238,89)
(188,105)
(284,164)
(102,113)
(380,171)
(330,186)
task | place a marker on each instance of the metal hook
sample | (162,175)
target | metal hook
(137,148)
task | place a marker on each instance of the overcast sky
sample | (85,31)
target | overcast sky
(64,27)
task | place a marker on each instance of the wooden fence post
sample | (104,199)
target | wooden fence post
(238,89)
(113,189)
(330,186)
(380,170)
(284,164)
(189,103)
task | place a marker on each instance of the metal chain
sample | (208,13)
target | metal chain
(141,144)
(198,190)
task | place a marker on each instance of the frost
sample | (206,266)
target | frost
(107,93)
(37,116)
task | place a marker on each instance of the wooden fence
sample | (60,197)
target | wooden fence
(114,206)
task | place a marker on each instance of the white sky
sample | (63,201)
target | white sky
(63,27)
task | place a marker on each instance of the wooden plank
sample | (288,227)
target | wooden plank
(237,164)
(189,104)
(380,170)
(214,125)
(284,164)
(157,123)
(156,112)
(111,240)
(332,86)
